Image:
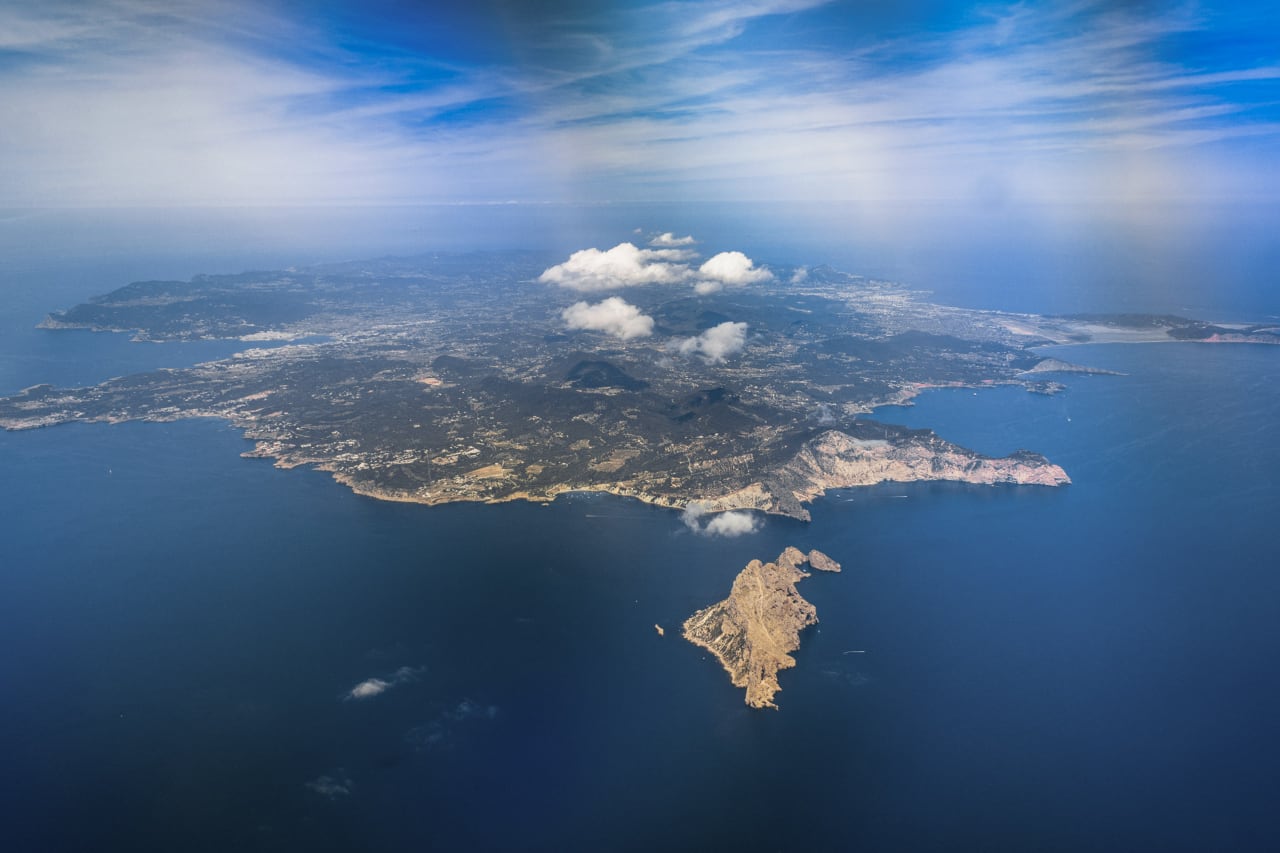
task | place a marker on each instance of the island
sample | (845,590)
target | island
(753,631)
(821,562)
(495,376)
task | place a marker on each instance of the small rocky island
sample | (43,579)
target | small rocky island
(753,631)
(822,563)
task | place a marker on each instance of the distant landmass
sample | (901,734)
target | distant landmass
(465,378)
(471,378)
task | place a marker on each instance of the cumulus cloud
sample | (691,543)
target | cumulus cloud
(371,687)
(671,254)
(717,343)
(667,261)
(729,269)
(799,275)
(333,785)
(668,240)
(613,315)
(622,266)
(733,523)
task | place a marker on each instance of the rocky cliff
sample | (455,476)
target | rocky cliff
(837,460)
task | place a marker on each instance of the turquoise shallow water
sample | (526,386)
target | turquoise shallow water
(1088,667)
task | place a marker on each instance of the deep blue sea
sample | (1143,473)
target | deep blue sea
(1090,667)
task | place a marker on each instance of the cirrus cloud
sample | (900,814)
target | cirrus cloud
(269,103)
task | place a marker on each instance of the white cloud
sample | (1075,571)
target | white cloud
(469,710)
(730,269)
(801,274)
(1037,102)
(614,316)
(443,731)
(371,687)
(668,240)
(735,523)
(729,524)
(622,266)
(671,254)
(337,784)
(717,343)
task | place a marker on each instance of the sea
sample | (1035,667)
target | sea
(997,668)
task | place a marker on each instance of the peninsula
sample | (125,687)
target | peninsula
(480,378)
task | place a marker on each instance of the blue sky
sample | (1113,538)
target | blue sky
(134,102)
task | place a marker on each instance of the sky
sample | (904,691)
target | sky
(189,103)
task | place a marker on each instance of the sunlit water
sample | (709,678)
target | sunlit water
(1055,669)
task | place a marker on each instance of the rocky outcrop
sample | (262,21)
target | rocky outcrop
(822,563)
(837,460)
(753,631)
(1054,365)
